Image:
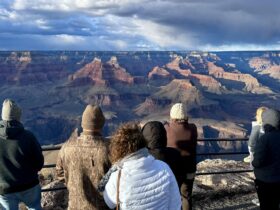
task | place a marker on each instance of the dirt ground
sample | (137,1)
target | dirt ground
(228,202)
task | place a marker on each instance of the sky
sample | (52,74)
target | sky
(208,25)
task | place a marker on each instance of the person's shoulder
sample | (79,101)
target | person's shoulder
(72,141)
(192,125)
(255,124)
(161,165)
(28,134)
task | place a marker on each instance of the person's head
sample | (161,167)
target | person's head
(154,134)
(271,120)
(178,113)
(259,112)
(92,120)
(126,140)
(10,111)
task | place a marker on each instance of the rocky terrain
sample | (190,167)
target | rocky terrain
(221,90)
(224,191)
(218,191)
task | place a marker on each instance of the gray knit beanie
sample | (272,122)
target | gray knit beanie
(93,118)
(10,110)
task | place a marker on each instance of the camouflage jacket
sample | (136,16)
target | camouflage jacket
(82,162)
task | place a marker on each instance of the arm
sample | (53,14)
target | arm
(254,135)
(194,138)
(110,191)
(107,163)
(60,167)
(36,154)
(260,152)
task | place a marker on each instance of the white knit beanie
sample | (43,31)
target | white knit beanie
(10,110)
(177,112)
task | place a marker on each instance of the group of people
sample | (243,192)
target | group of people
(149,166)
(140,167)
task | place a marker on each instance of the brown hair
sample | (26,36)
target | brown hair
(259,112)
(126,140)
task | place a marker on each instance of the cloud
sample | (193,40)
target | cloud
(142,24)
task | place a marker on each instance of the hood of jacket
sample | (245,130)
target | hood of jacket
(155,135)
(271,120)
(10,129)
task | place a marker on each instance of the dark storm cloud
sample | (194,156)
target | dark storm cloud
(132,25)
(215,22)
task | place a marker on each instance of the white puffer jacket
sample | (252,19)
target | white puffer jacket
(145,184)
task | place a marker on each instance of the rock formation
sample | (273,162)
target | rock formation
(99,73)
(225,86)
(21,68)
(175,66)
(159,73)
(264,67)
(214,191)
(208,83)
(251,84)
(151,105)
(183,91)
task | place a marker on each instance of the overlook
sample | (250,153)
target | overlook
(170,97)
(220,90)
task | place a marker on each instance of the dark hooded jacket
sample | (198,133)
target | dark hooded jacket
(155,136)
(266,160)
(20,158)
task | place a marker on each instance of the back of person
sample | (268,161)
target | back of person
(143,185)
(183,136)
(266,162)
(83,160)
(21,149)
(20,160)
(156,139)
(137,180)
(268,165)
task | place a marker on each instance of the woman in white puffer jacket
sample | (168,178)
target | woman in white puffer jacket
(137,180)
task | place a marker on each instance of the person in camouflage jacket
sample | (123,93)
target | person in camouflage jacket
(82,162)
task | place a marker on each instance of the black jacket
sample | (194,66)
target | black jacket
(155,136)
(266,160)
(20,158)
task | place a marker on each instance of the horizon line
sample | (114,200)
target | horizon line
(61,50)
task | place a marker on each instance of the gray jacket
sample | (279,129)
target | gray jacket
(267,150)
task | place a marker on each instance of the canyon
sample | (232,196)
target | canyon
(221,90)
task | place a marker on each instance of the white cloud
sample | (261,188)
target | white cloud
(239,47)
(119,44)
(49,5)
(43,24)
(164,36)
(69,39)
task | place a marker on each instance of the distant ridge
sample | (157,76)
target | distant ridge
(220,89)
